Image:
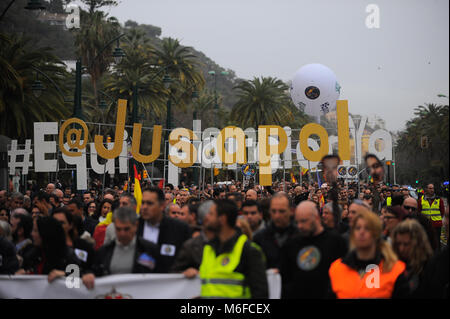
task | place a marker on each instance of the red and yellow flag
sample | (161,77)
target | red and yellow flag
(137,190)
(293,180)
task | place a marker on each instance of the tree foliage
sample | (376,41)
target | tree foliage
(429,164)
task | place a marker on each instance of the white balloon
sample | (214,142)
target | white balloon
(315,89)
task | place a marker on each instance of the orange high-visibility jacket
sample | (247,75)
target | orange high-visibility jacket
(348,284)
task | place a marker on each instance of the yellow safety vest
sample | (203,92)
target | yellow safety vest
(389,201)
(432,212)
(218,276)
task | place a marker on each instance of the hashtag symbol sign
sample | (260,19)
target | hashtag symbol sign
(14,153)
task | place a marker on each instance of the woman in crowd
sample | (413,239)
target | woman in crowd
(72,226)
(4,215)
(371,269)
(50,254)
(103,209)
(410,243)
(91,209)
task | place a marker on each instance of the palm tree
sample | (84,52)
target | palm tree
(183,68)
(262,101)
(19,107)
(95,33)
(431,121)
(138,68)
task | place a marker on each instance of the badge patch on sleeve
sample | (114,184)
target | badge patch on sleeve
(168,250)
(81,254)
(147,261)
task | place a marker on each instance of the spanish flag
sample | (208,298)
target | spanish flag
(293,178)
(137,190)
(304,171)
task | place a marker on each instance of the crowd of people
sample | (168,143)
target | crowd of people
(333,240)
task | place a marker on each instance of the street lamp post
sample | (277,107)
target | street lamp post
(216,104)
(32,5)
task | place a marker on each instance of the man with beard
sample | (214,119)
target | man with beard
(376,170)
(279,230)
(231,267)
(306,258)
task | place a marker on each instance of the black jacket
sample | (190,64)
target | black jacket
(9,263)
(305,262)
(34,257)
(85,253)
(266,239)
(251,265)
(172,234)
(89,224)
(190,254)
(103,257)
(435,276)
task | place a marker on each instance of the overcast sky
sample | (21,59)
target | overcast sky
(386,71)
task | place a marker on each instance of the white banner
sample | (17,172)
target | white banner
(135,286)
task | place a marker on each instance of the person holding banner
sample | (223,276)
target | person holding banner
(231,266)
(50,255)
(125,255)
(168,233)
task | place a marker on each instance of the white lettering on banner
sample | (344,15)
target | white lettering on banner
(80,162)
(41,147)
(15,152)
(123,159)
(386,152)
(287,154)
(204,144)
(250,143)
(109,167)
(164,286)
(301,159)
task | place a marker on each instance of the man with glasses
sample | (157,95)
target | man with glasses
(432,207)
(410,206)
(392,217)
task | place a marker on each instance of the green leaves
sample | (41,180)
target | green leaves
(19,108)
(262,101)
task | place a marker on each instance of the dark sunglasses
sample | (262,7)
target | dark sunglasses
(410,208)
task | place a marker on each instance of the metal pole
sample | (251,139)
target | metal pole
(164,165)
(77,112)
(216,106)
(166,148)
(393,151)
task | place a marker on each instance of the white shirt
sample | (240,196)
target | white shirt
(151,232)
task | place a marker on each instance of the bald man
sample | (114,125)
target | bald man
(305,259)
(251,195)
(50,188)
(410,205)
